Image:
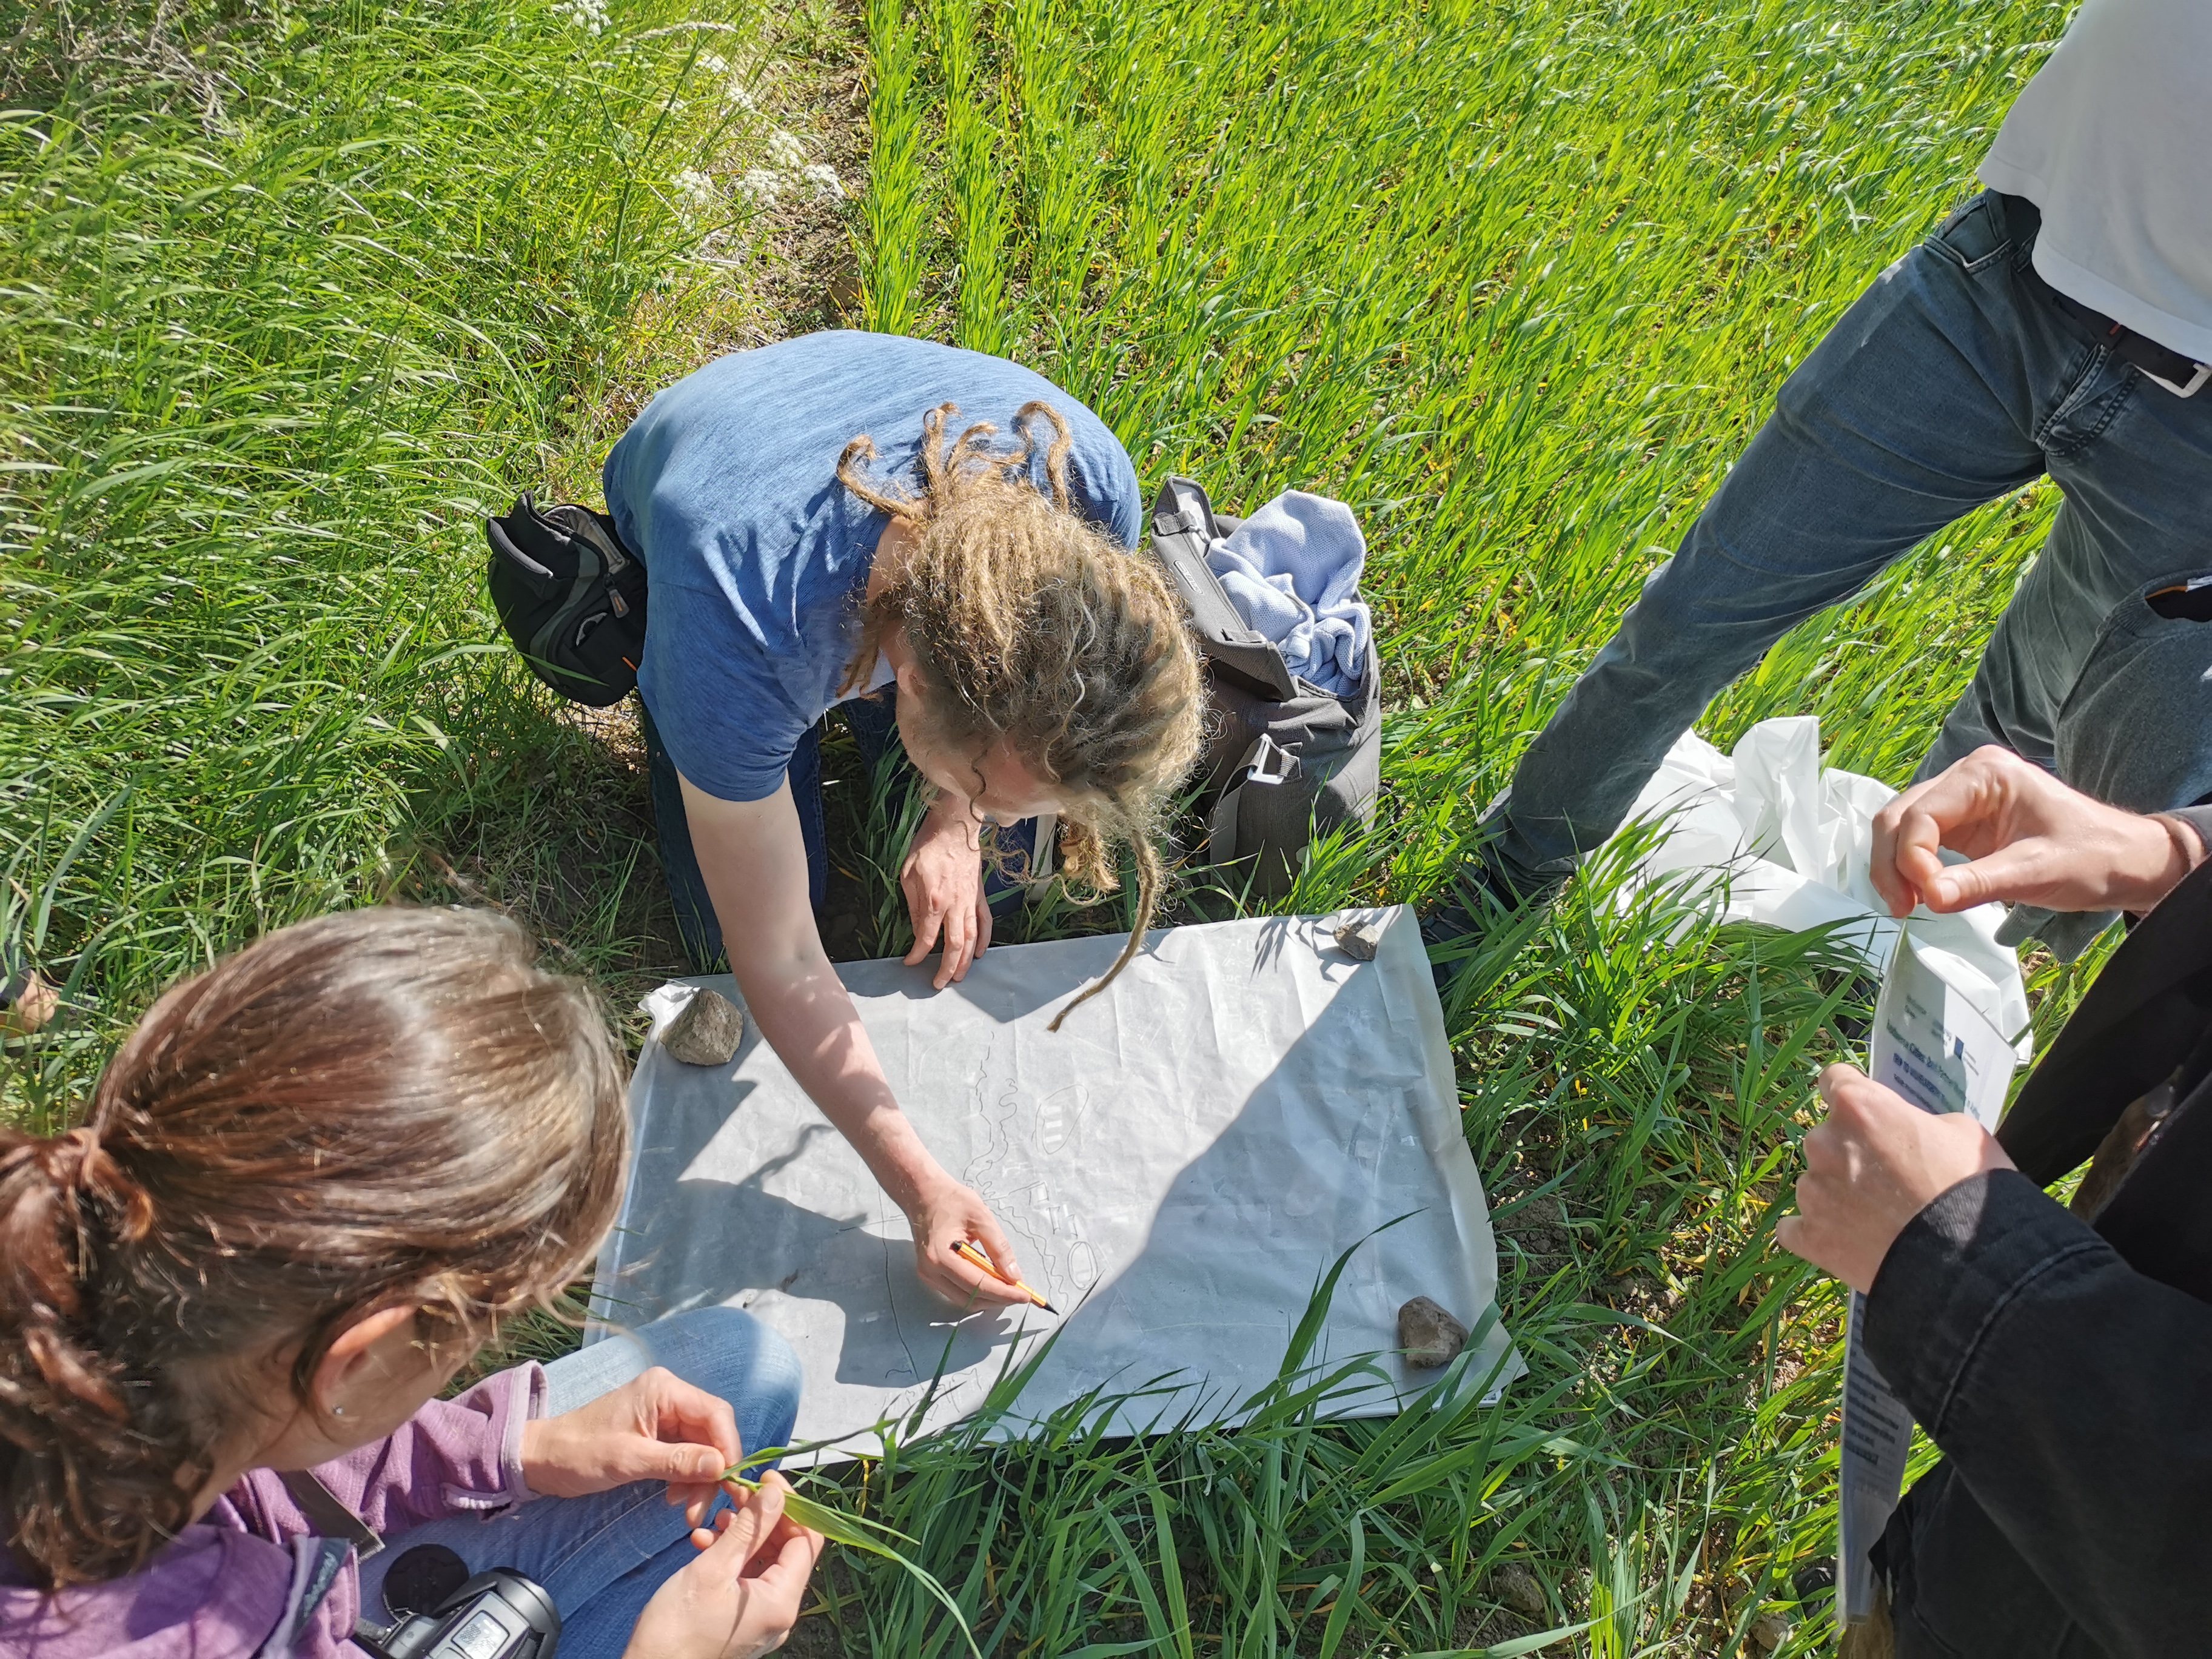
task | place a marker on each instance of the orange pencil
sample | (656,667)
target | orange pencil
(974,1256)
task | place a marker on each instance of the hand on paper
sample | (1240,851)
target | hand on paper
(2031,841)
(944,1215)
(943,880)
(1875,1163)
(657,1427)
(741,1594)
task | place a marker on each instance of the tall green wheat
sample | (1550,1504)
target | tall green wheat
(1518,282)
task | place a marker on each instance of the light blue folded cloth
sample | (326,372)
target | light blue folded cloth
(1292,571)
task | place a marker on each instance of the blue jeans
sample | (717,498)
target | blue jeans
(875,724)
(1953,379)
(602,1557)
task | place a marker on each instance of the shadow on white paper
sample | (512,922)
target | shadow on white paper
(1177,1167)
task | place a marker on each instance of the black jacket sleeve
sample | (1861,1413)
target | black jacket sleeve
(2072,1395)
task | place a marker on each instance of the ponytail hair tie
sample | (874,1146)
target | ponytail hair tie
(82,1169)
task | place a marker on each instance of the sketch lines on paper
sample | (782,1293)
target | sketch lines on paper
(1028,1144)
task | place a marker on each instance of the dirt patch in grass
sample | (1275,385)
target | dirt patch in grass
(565,843)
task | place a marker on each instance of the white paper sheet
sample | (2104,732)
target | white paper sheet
(1178,1165)
(1933,1046)
(1789,840)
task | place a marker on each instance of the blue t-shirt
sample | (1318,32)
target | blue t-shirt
(757,558)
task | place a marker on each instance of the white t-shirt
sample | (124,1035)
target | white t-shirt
(2112,140)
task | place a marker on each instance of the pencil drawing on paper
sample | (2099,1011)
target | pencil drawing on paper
(1176,1219)
(1025,1145)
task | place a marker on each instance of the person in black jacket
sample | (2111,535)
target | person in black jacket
(2059,1355)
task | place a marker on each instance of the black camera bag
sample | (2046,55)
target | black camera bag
(1284,761)
(571,597)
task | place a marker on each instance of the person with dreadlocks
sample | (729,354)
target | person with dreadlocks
(928,537)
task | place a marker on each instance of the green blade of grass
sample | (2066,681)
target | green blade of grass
(855,1532)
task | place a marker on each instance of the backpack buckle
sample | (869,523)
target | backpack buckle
(1267,762)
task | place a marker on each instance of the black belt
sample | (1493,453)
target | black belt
(2178,374)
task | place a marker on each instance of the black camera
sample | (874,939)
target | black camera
(441,1613)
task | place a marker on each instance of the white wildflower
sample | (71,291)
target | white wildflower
(696,187)
(785,152)
(735,91)
(761,186)
(824,178)
(591,16)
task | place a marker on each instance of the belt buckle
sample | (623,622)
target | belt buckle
(2188,388)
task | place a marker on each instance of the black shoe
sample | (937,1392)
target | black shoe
(1814,1580)
(1854,1018)
(1480,906)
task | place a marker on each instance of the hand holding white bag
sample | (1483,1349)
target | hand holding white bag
(1785,842)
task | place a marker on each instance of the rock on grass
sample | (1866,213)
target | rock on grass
(1519,1589)
(1769,1630)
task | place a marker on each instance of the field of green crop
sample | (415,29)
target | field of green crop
(290,293)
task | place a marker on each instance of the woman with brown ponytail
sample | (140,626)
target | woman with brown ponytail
(862,518)
(313,1183)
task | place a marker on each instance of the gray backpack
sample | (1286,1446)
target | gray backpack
(1284,761)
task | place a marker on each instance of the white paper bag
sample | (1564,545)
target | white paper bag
(1933,1047)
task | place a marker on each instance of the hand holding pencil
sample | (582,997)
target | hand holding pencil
(973,1255)
(944,1215)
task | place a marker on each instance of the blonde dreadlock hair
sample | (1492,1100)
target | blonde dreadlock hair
(1031,626)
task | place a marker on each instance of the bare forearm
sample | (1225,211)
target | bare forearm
(754,861)
(2185,850)
(2028,838)
(807,1016)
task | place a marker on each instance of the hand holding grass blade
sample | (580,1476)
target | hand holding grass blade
(743,1592)
(856,1533)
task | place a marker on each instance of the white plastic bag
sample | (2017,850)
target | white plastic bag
(1785,841)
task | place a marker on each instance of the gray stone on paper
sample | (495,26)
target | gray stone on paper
(1361,936)
(1430,1336)
(708,1030)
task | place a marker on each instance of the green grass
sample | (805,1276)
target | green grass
(289,305)
(286,314)
(1517,282)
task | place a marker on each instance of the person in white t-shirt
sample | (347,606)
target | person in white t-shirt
(2059,324)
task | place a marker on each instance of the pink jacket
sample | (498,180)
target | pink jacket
(251,1580)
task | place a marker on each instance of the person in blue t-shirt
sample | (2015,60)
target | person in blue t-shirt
(845,514)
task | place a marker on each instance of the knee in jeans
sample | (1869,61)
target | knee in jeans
(776,1373)
(734,1357)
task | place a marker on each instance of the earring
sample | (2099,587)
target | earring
(337,1410)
